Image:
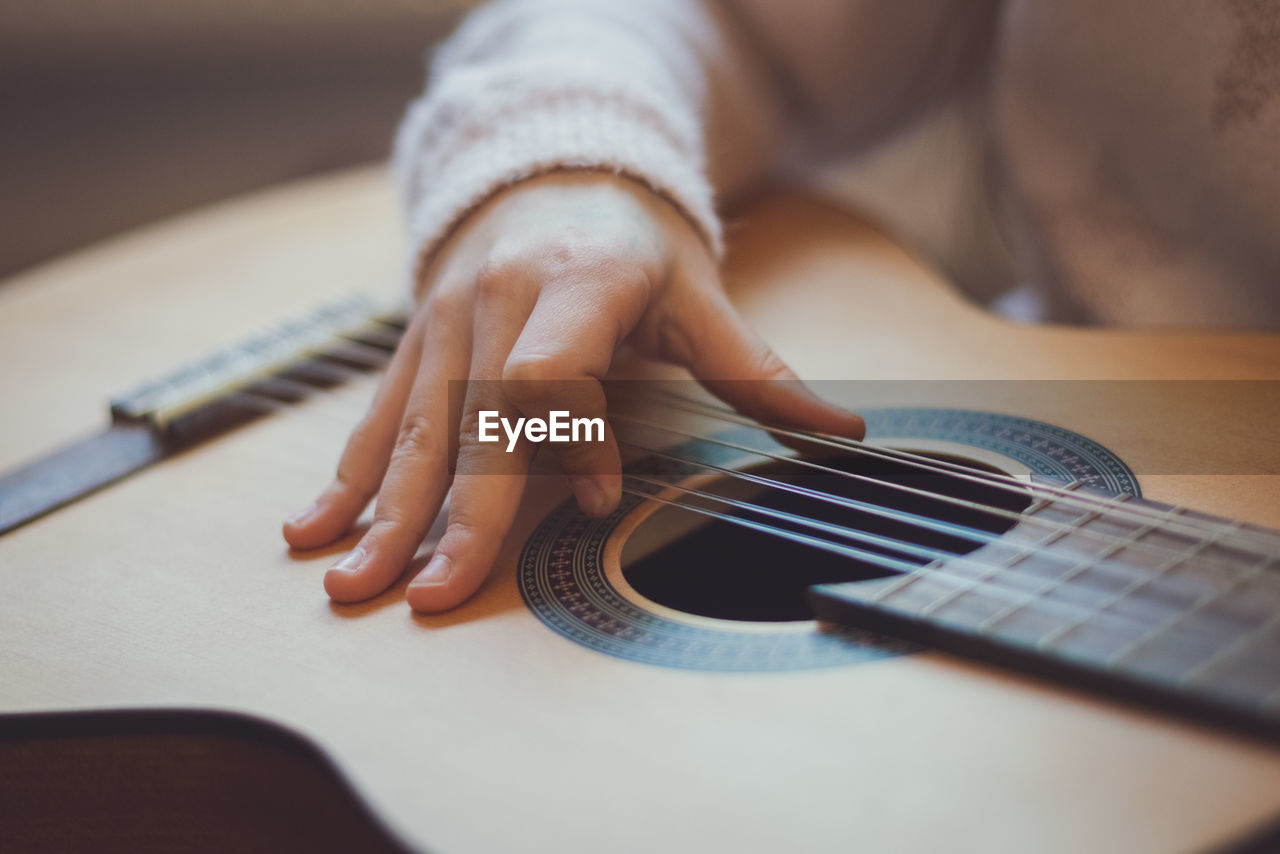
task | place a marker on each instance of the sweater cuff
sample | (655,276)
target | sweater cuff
(469,139)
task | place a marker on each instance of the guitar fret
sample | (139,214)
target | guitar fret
(969,607)
(1246,674)
(893,585)
(910,586)
(1255,541)
(1138,601)
(1121,543)
(1081,566)
(993,569)
(1020,553)
(1195,607)
(1223,655)
(968,600)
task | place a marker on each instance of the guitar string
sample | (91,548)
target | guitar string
(967,583)
(941,468)
(1113,543)
(992,479)
(267,405)
(1045,584)
(995,581)
(912,571)
(975,535)
(1075,563)
(1022,598)
(989,584)
(843,531)
(826,469)
(1116,506)
(371,357)
(1108,598)
(375,352)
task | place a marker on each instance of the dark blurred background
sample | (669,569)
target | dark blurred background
(115,113)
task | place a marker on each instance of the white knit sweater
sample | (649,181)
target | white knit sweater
(1099,153)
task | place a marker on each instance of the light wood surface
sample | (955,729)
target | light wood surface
(481,730)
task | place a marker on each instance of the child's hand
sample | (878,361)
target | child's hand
(538,287)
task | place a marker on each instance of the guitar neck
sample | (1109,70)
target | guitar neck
(1142,600)
(283,364)
(277,368)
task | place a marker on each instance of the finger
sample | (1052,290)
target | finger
(737,366)
(364,460)
(417,472)
(489,480)
(555,366)
(486,493)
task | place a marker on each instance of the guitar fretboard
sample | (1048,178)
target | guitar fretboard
(1140,599)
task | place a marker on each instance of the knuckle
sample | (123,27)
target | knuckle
(469,428)
(390,528)
(448,308)
(765,370)
(565,254)
(387,522)
(573,247)
(526,373)
(418,437)
(462,525)
(495,275)
(575,253)
(462,528)
(673,339)
(582,260)
(765,364)
(355,477)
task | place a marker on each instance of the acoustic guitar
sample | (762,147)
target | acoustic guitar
(1047,580)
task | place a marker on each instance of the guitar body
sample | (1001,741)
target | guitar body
(490,729)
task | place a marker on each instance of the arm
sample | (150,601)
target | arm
(559,180)
(691,97)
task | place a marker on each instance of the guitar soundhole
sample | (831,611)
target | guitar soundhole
(715,568)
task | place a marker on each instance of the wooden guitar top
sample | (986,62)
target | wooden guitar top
(481,729)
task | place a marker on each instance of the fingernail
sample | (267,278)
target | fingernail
(435,574)
(303,515)
(590,496)
(351,562)
(857,424)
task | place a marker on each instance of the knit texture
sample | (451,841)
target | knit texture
(489,122)
(1068,167)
